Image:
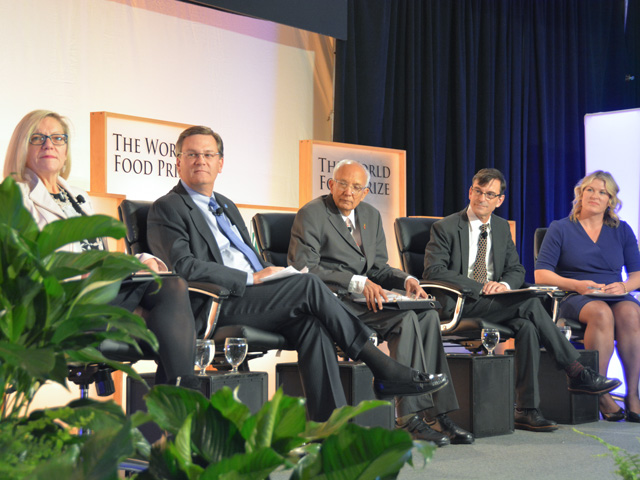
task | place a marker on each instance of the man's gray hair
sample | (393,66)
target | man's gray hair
(345,162)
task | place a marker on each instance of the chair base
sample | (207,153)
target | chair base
(252,392)
(485,389)
(559,404)
(357,382)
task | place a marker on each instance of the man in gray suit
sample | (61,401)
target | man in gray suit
(342,241)
(473,249)
(201,236)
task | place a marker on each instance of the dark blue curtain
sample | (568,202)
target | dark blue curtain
(466,84)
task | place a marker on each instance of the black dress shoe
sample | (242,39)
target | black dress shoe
(632,417)
(420,384)
(419,430)
(457,435)
(614,416)
(592,383)
(531,419)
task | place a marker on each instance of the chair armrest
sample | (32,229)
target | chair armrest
(217,295)
(448,286)
(209,289)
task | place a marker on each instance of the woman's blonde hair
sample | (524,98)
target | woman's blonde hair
(610,215)
(15,161)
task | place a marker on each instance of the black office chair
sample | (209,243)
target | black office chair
(412,236)
(577,328)
(273,233)
(134,216)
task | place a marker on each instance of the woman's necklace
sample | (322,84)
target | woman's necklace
(60,198)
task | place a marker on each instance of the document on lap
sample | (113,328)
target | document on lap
(398,300)
(532,288)
(284,273)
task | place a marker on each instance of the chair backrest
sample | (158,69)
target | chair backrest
(133,213)
(273,233)
(538,236)
(412,236)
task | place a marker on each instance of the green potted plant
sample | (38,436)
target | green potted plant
(53,310)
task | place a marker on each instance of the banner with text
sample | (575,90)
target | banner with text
(133,156)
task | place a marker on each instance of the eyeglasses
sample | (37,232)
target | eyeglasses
(195,156)
(56,139)
(342,185)
(490,195)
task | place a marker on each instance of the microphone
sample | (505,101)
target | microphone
(80,199)
(350,229)
(484,234)
(218,211)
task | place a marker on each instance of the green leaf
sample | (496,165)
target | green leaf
(249,466)
(63,232)
(359,453)
(170,406)
(339,418)
(37,362)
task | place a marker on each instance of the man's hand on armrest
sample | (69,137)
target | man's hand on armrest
(265,272)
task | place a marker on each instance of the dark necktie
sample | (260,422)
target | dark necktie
(225,227)
(480,265)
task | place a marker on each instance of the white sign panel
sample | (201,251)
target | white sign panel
(140,156)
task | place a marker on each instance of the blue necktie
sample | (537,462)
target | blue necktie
(225,227)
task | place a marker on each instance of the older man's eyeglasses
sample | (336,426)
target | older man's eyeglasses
(342,185)
(57,139)
(490,195)
(194,156)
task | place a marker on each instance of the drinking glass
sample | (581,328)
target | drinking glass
(205,350)
(235,349)
(566,331)
(490,338)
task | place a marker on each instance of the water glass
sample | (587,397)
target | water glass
(205,351)
(490,338)
(566,331)
(235,350)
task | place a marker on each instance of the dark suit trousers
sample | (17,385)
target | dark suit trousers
(533,327)
(414,339)
(305,311)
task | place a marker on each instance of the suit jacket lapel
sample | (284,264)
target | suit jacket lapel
(498,248)
(463,232)
(199,222)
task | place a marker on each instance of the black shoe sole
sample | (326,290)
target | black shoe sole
(591,392)
(531,428)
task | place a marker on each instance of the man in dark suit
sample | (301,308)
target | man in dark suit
(201,236)
(473,248)
(342,241)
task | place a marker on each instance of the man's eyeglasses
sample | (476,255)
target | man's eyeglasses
(56,139)
(342,185)
(490,195)
(195,156)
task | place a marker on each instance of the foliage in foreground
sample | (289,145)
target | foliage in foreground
(628,463)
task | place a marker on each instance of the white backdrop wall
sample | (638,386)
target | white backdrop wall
(261,85)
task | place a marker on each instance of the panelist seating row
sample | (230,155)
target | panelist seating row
(273,232)
(134,216)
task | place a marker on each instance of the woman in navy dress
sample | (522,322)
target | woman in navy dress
(585,253)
